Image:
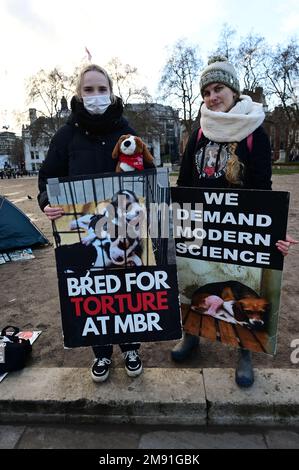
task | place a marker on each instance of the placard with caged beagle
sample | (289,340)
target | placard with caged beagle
(229,269)
(116,272)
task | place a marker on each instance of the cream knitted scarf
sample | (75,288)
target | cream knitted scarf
(236,124)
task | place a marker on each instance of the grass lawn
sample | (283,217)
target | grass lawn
(284,171)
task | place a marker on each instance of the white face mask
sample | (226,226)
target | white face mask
(96,104)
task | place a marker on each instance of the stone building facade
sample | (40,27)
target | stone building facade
(37,135)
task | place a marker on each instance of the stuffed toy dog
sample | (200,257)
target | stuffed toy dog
(131,153)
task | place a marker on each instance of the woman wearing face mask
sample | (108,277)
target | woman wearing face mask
(84,146)
(230,150)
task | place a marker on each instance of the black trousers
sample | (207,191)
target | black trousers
(106,351)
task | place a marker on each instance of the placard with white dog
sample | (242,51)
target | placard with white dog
(117,276)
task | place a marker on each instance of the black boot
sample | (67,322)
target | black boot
(244,371)
(185,347)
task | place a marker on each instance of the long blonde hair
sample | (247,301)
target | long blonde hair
(234,168)
(94,68)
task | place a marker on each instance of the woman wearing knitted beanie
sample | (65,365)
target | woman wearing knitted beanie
(231,149)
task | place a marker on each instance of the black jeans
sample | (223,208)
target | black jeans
(106,351)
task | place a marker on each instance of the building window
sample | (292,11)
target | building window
(297,137)
(32,155)
(33,166)
(37,156)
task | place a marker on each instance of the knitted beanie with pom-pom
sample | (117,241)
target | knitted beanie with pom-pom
(219,70)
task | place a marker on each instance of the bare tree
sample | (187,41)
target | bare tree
(225,43)
(180,80)
(282,78)
(251,61)
(125,78)
(248,56)
(45,91)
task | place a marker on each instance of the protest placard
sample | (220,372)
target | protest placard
(229,268)
(116,271)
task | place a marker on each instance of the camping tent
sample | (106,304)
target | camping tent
(16,229)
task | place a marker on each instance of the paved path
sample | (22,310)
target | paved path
(158,396)
(141,437)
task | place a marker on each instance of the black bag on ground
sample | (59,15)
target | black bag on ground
(14,351)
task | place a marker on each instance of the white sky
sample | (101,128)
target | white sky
(37,34)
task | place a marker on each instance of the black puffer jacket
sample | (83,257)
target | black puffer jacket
(204,162)
(83,146)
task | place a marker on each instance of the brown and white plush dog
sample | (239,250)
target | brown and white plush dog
(131,152)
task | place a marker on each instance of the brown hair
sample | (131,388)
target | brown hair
(94,68)
(234,168)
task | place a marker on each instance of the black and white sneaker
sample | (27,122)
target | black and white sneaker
(100,369)
(133,364)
